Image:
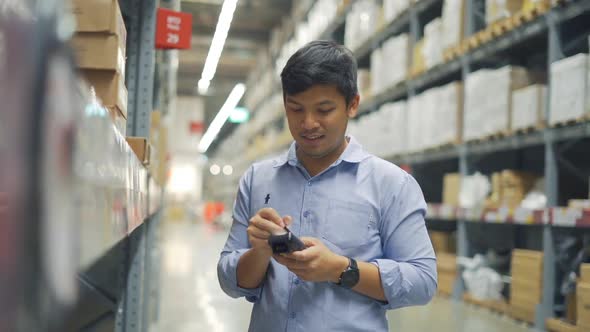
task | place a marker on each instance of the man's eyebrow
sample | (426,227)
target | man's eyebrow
(326,102)
(289,100)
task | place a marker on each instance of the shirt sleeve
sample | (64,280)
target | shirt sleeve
(408,269)
(237,244)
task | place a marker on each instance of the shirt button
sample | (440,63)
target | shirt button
(306,214)
(293,315)
(296,281)
(309,184)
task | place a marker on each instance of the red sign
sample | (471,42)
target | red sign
(196,127)
(173,30)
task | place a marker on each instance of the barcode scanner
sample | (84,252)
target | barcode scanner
(285,243)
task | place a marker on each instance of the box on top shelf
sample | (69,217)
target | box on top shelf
(99,16)
(488,99)
(140,147)
(499,9)
(570,89)
(452,23)
(433,48)
(109,87)
(528,107)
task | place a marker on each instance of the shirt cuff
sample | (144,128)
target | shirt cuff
(393,284)
(227,270)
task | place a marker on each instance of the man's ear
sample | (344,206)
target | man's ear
(354,106)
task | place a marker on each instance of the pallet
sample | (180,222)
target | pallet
(528,130)
(490,137)
(570,122)
(559,325)
(530,14)
(497,306)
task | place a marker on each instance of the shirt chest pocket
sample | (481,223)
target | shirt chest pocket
(348,224)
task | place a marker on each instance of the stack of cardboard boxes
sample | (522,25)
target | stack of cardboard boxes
(528,107)
(99,45)
(583,299)
(446,260)
(451,189)
(526,287)
(509,188)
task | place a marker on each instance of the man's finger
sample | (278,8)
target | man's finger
(258,233)
(272,215)
(310,241)
(304,255)
(287,220)
(266,225)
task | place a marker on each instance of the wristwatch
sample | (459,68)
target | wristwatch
(350,277)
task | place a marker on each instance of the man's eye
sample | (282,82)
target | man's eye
(326,110)
(296,109)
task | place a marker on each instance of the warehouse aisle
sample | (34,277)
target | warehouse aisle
(191,299)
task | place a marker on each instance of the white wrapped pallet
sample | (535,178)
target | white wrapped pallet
(452,23)
(488,100)
(433,48)
(528,107)
(393,8)
(399,125)
(450,113)
(395,60)
(377,72)
(415,133)
(569,89)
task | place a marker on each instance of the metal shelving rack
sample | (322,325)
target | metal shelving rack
(547,28)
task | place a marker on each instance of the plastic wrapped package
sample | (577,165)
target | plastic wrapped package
(361,23)
(394,8)
(528,106)
(364,83)
(488,100)
(452,23)
(399,123)
(378,75)
(481,281)
(433,48)
(570,88)
(415,116)
(474,190)
(450,113)
(396,51)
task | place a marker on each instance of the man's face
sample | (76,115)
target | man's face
(317,119)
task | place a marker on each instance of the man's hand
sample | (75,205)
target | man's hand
(264,223)
(317,263)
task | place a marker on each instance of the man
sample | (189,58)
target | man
(360,217)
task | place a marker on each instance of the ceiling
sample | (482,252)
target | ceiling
(248,35)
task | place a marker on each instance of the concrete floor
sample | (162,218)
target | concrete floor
(191,299)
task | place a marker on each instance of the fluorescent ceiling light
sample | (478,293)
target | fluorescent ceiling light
(239,115)
(225,17)
(228,107)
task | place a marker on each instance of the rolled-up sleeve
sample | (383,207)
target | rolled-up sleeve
(237,244)
(408,267)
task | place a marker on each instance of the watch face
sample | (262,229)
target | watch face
(350,278)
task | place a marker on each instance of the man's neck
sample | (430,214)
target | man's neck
(315,166)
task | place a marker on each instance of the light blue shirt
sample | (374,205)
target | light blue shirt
(361,207)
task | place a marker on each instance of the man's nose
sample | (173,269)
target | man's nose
(309,122)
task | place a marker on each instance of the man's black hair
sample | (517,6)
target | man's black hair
(321,62)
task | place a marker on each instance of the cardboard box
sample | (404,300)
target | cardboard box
(522,313)
(140,146)
(571,301)
(446,282)
(418,60)
(451,189)
(515,186)
(558,325)
(102,16)
(583,307)
(99,51)
(442,242)
(446,262)
(585,272)
(526,264)
(109,87)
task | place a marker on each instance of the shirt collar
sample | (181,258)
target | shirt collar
(354,153)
